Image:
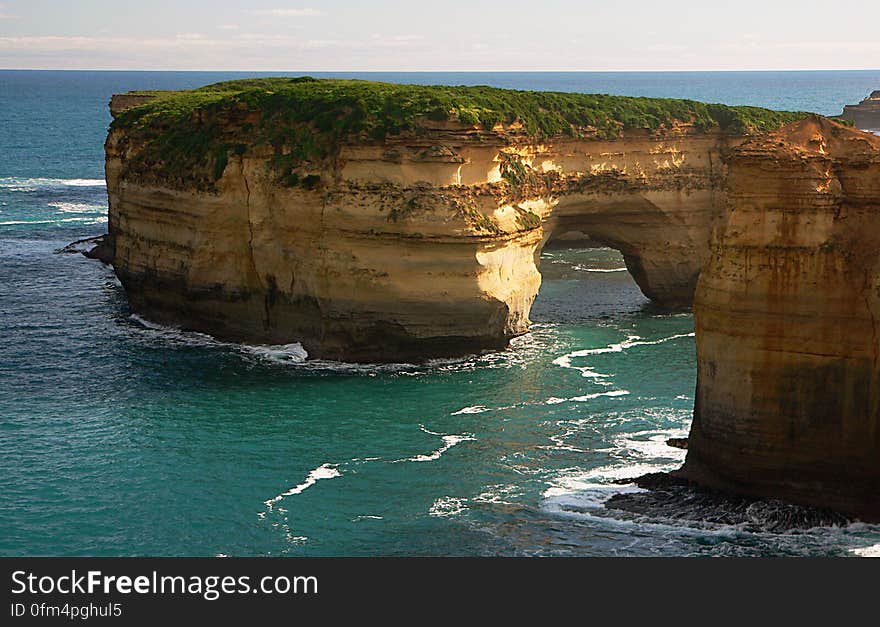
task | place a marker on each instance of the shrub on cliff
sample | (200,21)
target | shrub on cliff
(188,135)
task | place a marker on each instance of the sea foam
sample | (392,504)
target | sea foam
(21,184)
(449,441)
(324,471)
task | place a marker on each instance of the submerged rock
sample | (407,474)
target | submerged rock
(98,247)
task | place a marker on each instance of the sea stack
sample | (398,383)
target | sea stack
(866,114)
(378,222)
(787,314)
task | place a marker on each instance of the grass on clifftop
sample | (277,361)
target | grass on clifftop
(305,119)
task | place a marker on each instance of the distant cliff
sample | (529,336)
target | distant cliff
(866,114)
(386,222)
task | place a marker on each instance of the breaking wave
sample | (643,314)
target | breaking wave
(21,184)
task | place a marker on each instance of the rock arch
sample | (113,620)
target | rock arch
(413,248)
(427,243)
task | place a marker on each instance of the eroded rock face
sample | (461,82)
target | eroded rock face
(787,315)
(866,114)
(422,245)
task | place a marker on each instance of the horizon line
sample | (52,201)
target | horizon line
(436,71)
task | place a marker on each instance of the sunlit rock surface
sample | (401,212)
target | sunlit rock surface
(424,242)
(787,326)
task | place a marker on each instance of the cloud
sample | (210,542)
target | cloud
(228,27)
(287,12)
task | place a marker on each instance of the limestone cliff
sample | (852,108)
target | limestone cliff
(866,114)
(377,222)
(787,315)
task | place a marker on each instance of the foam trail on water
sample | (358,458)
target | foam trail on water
(448,442)
(77,207)
(589,397)
(95,220)
(584,269)
(475,409)
(281,353)
(633,340)
(30,184)
(446,507)
(324,471)
(629,342)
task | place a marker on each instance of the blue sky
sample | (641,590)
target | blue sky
(444,35)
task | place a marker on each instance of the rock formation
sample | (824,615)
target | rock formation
(866,114)
(787,314)
(377,222)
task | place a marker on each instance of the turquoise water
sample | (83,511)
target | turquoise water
(118,437)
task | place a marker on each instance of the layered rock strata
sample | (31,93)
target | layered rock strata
(787,315)
(407,240)
(866,114)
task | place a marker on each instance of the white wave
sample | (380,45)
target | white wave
(589,372)
(867,551)
(629,342)
(29,184)
(448,442)
(555,400)
(498,494)
(95,220)
(602,270)
(282,353)
(655,447)
(324,471)
(584,493)
(475,409)
(586,371)
(588,505)
(77,207)
(589,397)
(447,506)
(367,517)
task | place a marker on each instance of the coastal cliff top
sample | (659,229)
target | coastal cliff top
(186,138)
(813,137)
(380,109)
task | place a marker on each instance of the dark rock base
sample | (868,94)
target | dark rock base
(674,498)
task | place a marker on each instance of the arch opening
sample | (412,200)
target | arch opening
(583,280)
(663,248)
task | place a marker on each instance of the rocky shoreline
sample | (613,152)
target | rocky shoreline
(669,497)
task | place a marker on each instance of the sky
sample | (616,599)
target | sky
(451,35)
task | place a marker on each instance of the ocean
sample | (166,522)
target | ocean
(121,437)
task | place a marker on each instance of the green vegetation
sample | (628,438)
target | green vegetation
(189,134)
(843,121)
(527,219)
